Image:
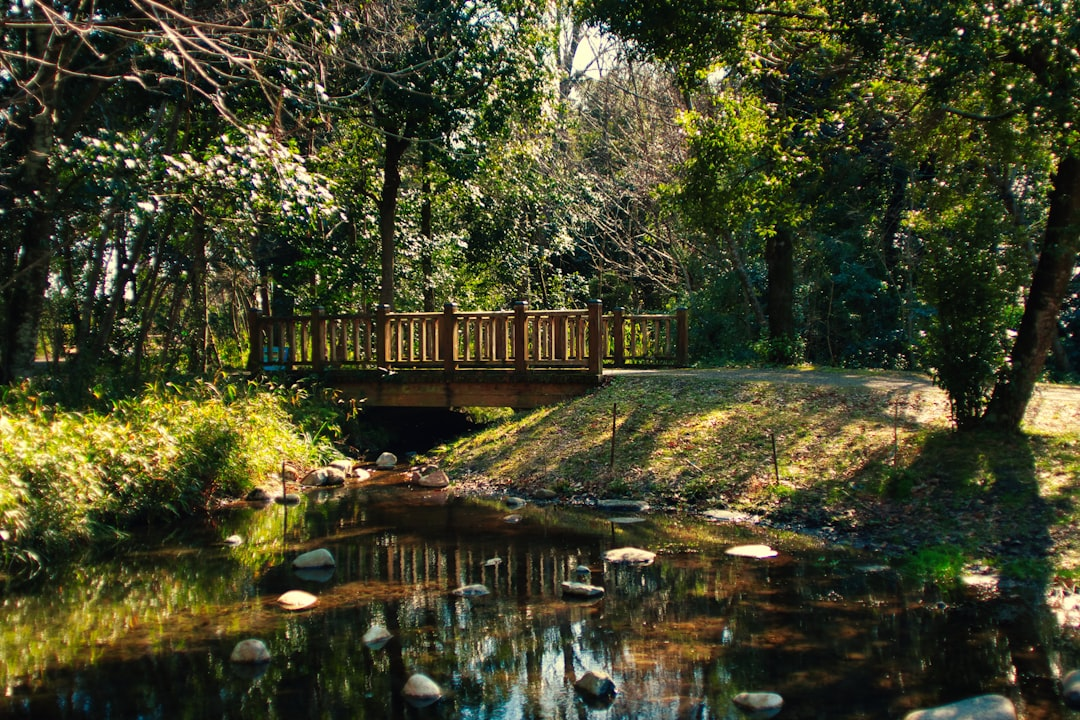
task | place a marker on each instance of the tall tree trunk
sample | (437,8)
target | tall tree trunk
(197,322)
(1038,326)
(22,297)
(780,302)
(744,278)
(388,201)
(427,251)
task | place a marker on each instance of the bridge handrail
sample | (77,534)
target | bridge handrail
(517,339)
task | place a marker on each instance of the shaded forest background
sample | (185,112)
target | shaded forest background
(874,184)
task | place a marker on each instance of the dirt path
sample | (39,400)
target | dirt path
(1051,407)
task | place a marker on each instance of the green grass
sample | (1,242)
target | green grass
(901,481)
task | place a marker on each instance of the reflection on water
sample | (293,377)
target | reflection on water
(149,634)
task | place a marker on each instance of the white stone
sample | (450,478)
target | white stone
(595,683)
(345,466)
(376,637)
(582,590)
(297,600)
(386,461)
(435,478)
(323,477)
(234,540)
(476,590)
(512,519)
(1070,689)
(759,552)
(629,556)
(982,707)
(493,562)
(759,704)
(732,516)
(320,558)
(514,503)
(250,651)
(421,691)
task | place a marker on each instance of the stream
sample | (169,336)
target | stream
(147,632)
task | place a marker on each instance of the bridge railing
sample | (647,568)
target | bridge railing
(518,339)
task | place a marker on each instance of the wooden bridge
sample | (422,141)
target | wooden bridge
(518,358)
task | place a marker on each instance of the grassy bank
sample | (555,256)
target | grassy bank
(74,476)
(864,459)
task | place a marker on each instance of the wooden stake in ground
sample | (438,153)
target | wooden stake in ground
(614,416)
(775,461)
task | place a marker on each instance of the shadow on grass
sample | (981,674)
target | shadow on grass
(973,498)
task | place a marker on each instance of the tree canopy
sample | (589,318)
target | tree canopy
(873,184)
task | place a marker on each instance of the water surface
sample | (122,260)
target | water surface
(148,633)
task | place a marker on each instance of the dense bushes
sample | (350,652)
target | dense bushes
(69,477)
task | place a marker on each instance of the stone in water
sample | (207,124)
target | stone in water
(476,590)
(582,590)
(320,558)
(250,651)
(295,600)
(1070,689)
(758,552)
(596,684)
(421,691)
(982,707)
(629,556)
(435,478)
(376,637)
(758,704)
(386,461)
(324,477)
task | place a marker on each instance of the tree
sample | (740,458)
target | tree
(448,76)
(1007,71)
(68,69)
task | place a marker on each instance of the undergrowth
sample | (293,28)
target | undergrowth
(70,476)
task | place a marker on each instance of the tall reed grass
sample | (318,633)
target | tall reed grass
(69,477)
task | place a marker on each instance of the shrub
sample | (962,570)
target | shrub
(70,477)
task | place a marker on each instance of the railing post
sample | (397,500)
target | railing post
(382,336)
(255,346)
(521,362)
(501,354)
(682,349)
(619,338)
(596,337)
(318,337)
(448,338)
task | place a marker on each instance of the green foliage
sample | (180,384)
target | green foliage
(68,477)
(780,351)
(942,564)
(964,281)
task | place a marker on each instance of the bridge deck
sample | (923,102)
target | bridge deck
(517,358)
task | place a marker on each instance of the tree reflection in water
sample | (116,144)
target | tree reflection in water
(149,634)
